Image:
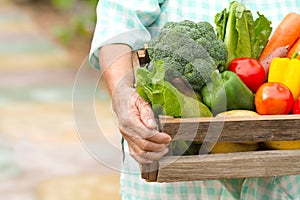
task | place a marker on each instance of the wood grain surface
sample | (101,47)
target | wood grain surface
(234,129)
(229,165)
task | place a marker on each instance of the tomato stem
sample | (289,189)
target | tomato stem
(295,55)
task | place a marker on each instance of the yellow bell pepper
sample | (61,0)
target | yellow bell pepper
(286,71)
(278,68)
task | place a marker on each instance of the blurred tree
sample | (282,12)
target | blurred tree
(83,17)
(63,4)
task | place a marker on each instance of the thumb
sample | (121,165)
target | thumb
(146,114)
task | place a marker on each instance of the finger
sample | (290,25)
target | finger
(146,113)
(147,145)
(160,137)
(137,129)
(145,156)
(148,155)
(139,159)
(141,114)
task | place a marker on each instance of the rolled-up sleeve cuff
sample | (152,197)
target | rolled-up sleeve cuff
(134,38)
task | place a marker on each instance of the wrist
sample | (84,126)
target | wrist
(122,98)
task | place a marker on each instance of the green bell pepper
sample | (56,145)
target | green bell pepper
(226,91)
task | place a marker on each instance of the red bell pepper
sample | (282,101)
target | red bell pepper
(250,71)
(296,107)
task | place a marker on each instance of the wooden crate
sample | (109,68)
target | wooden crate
(261,163)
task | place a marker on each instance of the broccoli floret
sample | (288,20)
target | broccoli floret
(180,53)
(197,70)
(191,50)
(207,31)
(216,49)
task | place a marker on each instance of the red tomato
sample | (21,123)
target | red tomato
(250,71)
(296,107)
(273,98)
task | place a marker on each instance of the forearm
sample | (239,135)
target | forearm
(136,119)
(116,66)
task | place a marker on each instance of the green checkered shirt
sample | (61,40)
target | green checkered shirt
(134,22)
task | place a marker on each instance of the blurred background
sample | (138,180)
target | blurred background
(43,44)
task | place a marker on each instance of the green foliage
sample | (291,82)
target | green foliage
(63,4)
(243,35)
(164,97)
(81,23)
(69,4)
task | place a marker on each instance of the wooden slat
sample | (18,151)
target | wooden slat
(149,171)
(234,129)
(229,165)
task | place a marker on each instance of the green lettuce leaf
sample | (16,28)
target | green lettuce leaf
(263,31)
(164,97)
(221,21)
(231,34)
(152,87)
(245,29)
(243,36)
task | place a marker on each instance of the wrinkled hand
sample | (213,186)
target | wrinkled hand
(138,126)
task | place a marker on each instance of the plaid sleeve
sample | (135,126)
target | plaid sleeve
(123,22)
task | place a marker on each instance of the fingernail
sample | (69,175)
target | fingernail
(168,139)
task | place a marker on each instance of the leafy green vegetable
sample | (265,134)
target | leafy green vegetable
(261,33)
(243,36)
(164,97)
(190,50)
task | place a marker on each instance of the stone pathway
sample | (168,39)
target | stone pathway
(47,157)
